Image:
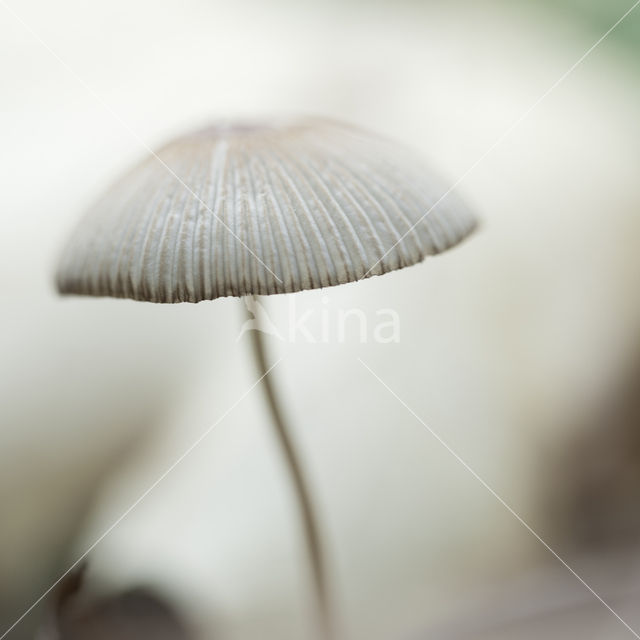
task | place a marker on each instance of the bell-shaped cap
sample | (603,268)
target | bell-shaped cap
(236,210)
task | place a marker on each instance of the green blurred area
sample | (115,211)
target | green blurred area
(601,15)
(597,16)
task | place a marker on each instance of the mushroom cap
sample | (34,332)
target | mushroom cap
(232,210)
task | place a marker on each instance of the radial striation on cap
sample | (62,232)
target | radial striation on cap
(237,210)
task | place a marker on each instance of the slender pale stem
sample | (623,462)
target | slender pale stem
(300,486)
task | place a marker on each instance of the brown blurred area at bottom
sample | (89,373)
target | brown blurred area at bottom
(137,613)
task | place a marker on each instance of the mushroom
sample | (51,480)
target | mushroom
(257,209)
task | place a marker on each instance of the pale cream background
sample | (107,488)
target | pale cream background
(504,341)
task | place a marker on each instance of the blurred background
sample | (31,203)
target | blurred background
(520,348)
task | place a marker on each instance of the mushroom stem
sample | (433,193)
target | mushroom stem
(300,485)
